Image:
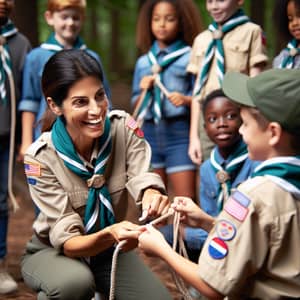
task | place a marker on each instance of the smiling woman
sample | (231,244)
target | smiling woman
(80,175)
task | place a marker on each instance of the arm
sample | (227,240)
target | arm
(195,144)
(152,242)
(28,120)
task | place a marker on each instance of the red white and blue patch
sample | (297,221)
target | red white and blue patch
(32,169)
(133,125)
(225,230)
(235,209)
(217,248)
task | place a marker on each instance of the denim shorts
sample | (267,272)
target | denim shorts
(169,141)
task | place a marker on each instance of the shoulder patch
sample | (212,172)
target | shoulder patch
(32,169)
(132,124)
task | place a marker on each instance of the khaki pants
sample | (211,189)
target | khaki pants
(54,276)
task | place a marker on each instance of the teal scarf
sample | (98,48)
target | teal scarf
(224,174)
(53,45)
(284,171)
(6,31)
(99,212)
(158,69)
(215,48)
(288,62)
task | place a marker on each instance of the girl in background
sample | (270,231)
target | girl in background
(287,21)
(162,88)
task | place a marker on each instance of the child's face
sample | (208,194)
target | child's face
(222,10)
(164,23)
(293,15)
(222,121)
(256,138)
(66,23)
(6,7)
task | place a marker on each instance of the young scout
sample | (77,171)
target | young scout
(252,251)
(231,43)
(13,49)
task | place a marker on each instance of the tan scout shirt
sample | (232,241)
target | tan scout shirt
(61,195)
(263,260)
(243,48)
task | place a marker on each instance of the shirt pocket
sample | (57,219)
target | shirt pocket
(237,54)
(78,198)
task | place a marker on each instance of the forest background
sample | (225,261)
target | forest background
(110,27)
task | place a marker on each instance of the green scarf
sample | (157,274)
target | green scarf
(284,171)
(215,48)
(99,212)
(53,45)
(224,174)
(288,62)
(6,31)
(158,68)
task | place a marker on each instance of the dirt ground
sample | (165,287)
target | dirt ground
(21,221)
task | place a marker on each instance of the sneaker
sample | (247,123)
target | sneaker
(7,283)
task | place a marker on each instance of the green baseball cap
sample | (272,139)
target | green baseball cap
(275,93)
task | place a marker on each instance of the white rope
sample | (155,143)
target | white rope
(12,140)
(182,251)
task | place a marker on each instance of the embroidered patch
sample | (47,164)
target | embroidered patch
(225,230)
(31,181)
(217,248)
(264,39)
(241,198)
(132,124)
(235,209)
(32,169)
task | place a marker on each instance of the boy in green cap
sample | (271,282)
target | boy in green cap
(252,251)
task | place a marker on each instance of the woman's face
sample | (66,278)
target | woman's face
(84,110)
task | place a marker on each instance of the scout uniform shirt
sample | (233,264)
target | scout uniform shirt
(243,48)
(61,195)
(253,250)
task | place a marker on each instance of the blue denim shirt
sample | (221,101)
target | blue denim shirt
(209,187)
(32,98)
(174,78)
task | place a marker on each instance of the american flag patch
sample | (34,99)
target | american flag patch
(235,209)
(32,169)
(132,124)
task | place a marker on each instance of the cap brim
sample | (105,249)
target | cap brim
(235,87)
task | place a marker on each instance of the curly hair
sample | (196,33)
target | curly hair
(189,22)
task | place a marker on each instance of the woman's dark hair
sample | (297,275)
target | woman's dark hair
(190,24)
(63,70)
(280,18)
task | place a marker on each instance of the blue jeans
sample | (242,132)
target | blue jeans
(4,155)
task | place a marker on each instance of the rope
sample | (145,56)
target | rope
(182,251)
(12,139)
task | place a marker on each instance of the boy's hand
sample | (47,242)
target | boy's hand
(151,241)
(191,214)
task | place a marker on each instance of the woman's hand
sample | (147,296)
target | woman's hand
(194,150)
(125,231)
(179,99)
(191,214)
(154,204)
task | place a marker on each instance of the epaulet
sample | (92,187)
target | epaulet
(39,144)
(117,113)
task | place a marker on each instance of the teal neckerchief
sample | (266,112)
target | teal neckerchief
(215,48)
(292,48)
(53,45)
(98,212)
(6,31)
(224,174)
(284,171)
(180,48)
